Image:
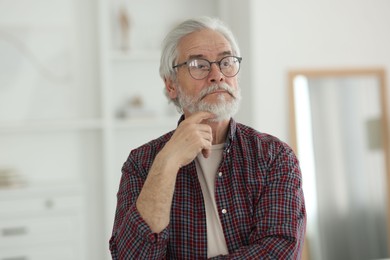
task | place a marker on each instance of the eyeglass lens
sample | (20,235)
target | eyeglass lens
(200,68)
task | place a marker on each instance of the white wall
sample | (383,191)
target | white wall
(306,34)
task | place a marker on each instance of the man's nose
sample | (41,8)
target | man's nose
(215,74)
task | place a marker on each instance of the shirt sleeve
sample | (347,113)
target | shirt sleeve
(131,237)
(281,213)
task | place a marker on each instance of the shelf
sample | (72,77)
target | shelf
(89,124)
(146,122)
(40,189)
(51,125)
(139,55)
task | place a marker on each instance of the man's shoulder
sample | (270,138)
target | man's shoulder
(249,132)
(255,137)
(262,147)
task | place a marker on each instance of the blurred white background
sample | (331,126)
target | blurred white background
(79,87)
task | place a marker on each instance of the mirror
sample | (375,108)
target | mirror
(339,132)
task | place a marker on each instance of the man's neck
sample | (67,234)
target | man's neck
(220,130)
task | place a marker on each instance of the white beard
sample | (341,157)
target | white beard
(223,109)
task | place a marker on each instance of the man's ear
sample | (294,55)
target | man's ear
(171,88)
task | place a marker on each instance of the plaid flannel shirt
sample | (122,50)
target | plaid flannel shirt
(258,194)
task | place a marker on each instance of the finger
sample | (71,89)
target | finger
(206,150)
(206,153)
(199,117)
(206,134)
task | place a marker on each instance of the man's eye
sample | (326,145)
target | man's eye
(202,67)
(226,64)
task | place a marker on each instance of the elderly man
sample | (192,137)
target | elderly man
(212,188)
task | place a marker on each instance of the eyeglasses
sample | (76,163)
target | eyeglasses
(200,68)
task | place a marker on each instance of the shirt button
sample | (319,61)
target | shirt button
(224,211)
(220,174)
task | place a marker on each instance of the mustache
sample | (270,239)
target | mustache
(216,87)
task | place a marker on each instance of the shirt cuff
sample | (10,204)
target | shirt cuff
(143,230)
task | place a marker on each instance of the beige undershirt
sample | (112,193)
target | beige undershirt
(207,172)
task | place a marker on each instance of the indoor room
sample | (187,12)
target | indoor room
(80,89)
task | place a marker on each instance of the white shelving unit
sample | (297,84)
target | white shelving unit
(50,132)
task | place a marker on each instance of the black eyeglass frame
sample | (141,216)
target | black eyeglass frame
(239,59)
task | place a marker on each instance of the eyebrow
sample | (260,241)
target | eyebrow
(221,54)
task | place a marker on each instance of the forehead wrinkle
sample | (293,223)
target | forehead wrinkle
(221,54)
(199,50)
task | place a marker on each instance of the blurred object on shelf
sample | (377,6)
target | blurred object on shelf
(9,178)
(124,23)
(135,107)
